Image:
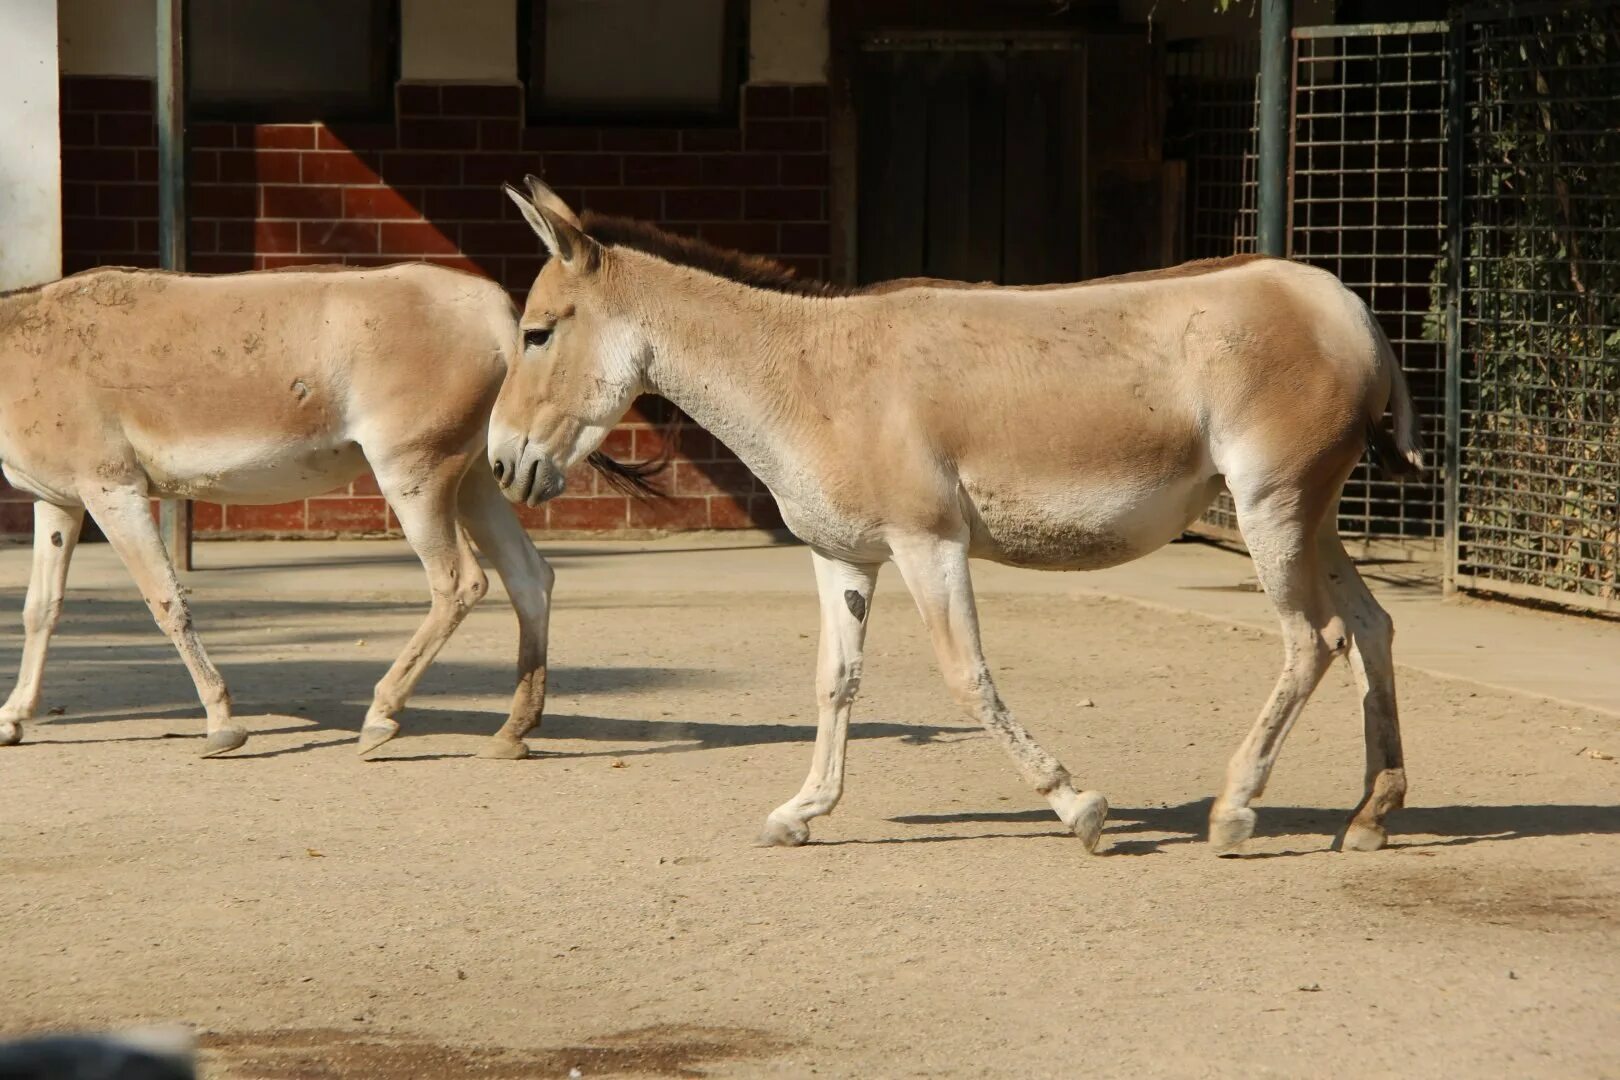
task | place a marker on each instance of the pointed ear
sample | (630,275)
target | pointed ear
(543,196)
(561,236)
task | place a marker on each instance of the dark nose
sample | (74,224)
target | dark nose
(500,471)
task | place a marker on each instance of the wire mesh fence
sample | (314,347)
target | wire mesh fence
(1536,469)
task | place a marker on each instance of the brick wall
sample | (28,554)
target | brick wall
(426,186)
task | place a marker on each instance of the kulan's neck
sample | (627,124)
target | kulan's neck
(744,364)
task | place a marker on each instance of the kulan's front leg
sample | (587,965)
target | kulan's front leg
(56,531)
(846,601)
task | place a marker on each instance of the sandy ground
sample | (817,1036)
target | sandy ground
(600,906)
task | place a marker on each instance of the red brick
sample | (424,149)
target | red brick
(418,99)
(79,200)
(805,240)
(303,202)
(709,140)
(464,204)
(568,512)
(500,134)
(496,238)
(81,163)
(582,169)
(799,136)
(203,235)
(532,517)
(78,129)
(204,135)
(703,204)
(128,200)
(336,167)
(338,237)
(259,166)
(811,100)
(286,262)
(354,136)
(764,512)
(207,517)
(260,237)
(646,203)
(98,234)
(106,94)
(281,137)
(495,169)
(347,514)
(280,517)
(17,518)
(411,167)
(768,101)
(662,170)
(713,478)
(204,167)
(415,238)
(146,165)
(641,140)
(580,481)
(365,485)
(784,204)
(739,169)
(461,262)
(125,129)
(521,272)
(438,134)
(481,99)
(146,234)
(804,170)
(619,443)
(548,139)
(229,263)
(755,237)
(377,202)
(224,201)
(675,512)
(726,512)
(812,267)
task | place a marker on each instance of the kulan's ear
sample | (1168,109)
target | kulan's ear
(562,237)
(549,200)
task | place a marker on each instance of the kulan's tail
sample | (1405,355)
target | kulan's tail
(1399,455)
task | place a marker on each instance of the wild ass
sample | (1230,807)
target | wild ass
(1065,428)
(127,384)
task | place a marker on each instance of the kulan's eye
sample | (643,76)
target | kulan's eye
(536,337)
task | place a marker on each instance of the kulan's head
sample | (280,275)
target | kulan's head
(581,359)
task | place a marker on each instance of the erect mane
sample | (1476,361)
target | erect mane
(757,271)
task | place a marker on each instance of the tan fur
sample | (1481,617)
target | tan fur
(256,388)
(1060,427)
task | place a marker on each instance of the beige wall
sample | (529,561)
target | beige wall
(30,146)
(787,41)
(1199,18)
(108,37)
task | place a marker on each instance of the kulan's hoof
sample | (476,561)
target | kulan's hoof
(1090,811)
(499,749)
(783,832)
(11,733)
(223,741)
(1229,828)
(376,732)
(1360,836)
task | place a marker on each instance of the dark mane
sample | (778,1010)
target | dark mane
(753,270)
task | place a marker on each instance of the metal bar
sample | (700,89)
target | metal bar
(1370,30)
(174,516)
(1276,18)
(1517,590)
(1457,41)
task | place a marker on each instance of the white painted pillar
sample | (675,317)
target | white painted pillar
(30,145)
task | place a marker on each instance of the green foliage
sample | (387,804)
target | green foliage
(1541,300)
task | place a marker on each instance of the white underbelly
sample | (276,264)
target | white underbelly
(1082,526)
(249,470)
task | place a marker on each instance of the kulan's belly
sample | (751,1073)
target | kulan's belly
(249,470)
(1082,526)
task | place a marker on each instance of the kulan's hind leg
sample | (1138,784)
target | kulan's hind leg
(1285,558)
(1372,635)
(56,531)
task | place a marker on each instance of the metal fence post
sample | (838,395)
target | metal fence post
(1456,117)
(174,516)
(1276,24)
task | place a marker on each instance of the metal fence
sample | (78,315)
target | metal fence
(1464,179)
(1535,474)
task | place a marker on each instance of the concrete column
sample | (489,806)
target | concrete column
(30,145)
